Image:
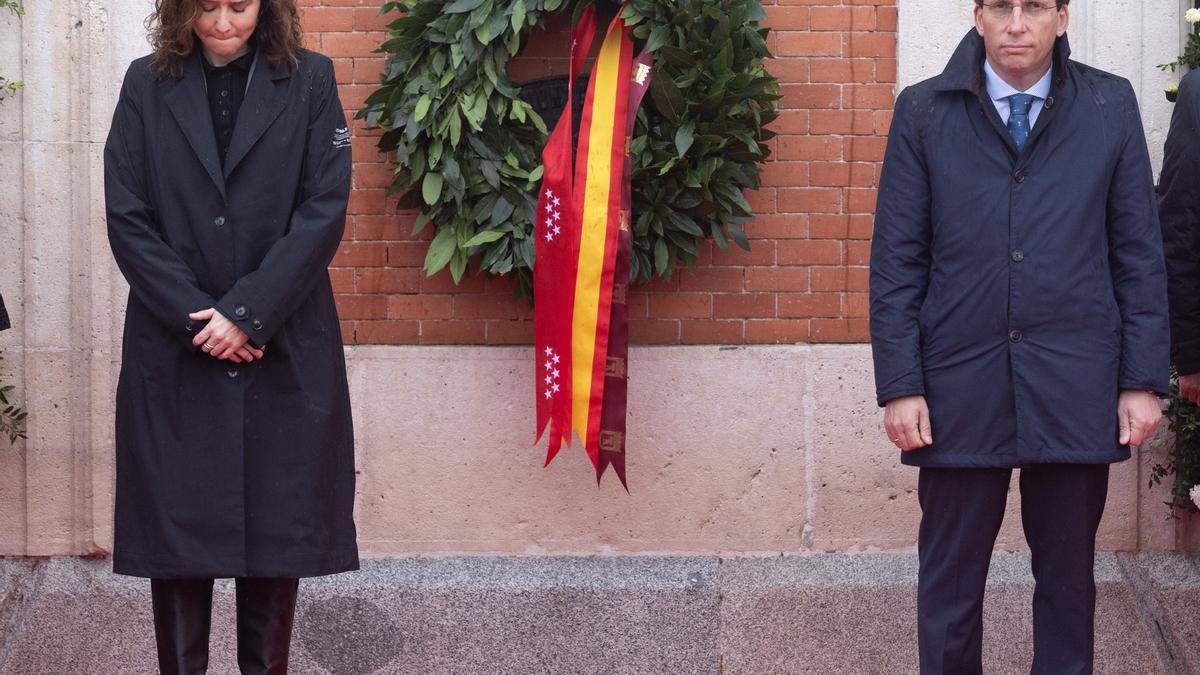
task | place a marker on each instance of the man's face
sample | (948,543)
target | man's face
(1019,35)
(224,26)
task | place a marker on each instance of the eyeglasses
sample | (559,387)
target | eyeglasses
(1032,9)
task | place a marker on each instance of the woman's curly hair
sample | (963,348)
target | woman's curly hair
(278,34)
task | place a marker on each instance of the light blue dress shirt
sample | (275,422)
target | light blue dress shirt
(999,91)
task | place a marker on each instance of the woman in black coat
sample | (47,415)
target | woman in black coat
(227,173)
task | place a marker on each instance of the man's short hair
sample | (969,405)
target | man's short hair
(1058,4)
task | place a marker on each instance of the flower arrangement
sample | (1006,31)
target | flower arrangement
(467,146)
(1181,470)
(1191,51)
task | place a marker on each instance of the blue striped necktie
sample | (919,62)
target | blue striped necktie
(1018,118)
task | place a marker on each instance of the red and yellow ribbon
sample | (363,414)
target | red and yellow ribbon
(595,280)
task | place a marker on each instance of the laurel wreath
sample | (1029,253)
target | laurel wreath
(467,148)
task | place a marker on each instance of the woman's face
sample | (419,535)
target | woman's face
(225,26)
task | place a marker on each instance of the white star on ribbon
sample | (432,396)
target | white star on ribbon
(548,395)
(554,199)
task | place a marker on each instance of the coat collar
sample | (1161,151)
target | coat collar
(964,71)
(265,99)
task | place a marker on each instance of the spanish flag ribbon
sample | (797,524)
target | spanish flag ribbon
(595,279)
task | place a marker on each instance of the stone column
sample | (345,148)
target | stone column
(66,297)
(12,253)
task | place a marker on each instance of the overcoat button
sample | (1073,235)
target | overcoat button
(1019,176)
(232,373)
(1015,336)
(1049,102)
(239,311)
(1018,256)
(190,326)
(220,221)
(257,324)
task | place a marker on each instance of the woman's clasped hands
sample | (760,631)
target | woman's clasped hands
(222,339)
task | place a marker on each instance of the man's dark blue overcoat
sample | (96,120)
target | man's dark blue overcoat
(227,470)
(1019,292)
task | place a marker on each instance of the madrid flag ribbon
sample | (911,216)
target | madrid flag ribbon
(581,319)
(556,238)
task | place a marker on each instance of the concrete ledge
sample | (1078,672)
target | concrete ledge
(845,613)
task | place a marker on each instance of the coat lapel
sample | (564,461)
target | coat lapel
(964,72)
(266,98)
(189,105)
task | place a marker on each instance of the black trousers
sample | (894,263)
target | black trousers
(183,615)
(961,512)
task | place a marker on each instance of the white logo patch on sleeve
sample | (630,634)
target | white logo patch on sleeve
(341,138)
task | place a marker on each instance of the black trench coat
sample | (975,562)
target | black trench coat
(1179,211)
(227,470)
(1018,292)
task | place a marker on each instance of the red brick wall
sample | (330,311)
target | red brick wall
(805,276)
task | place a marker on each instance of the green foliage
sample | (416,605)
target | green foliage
(468,149)
(1183,462)
(1191,52)
(7,86)
(12,417)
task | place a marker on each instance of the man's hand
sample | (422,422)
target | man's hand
(1189,387)
(907,422)
(1138,414)
(222,339)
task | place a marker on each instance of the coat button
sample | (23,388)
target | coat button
(220,221)
(1049,102)
(257,324)
(232,373)
(239,311)
(1019,176)
(1015,336)
(190,326)
(1018,255)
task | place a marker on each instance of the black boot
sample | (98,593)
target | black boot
(265,609)
(182,615)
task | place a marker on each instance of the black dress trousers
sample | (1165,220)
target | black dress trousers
(961,513)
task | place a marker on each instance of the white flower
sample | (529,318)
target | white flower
(1192,15)
(1195,495)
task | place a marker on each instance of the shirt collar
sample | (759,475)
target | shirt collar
(241,63)
(998,89)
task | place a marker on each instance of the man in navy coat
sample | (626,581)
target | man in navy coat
(1018,318)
